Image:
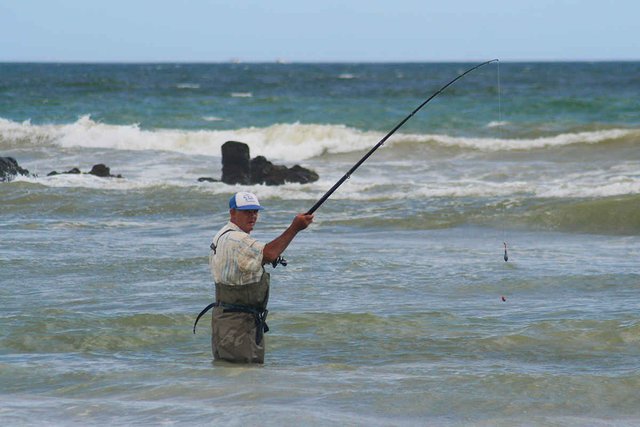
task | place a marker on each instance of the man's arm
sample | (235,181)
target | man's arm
(273,249)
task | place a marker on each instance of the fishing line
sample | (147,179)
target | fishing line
(501,134)
(382,141)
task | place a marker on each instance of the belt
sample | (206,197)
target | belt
(260,316)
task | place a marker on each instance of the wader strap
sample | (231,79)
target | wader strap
(207,308)
(259,316)
(214,246)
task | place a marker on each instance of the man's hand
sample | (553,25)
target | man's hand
(274,249)
(301,221)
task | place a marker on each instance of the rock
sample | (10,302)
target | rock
(100,170)
(301,175)
(236,168)
(71,171)
(9,168)
(207,179)
(265,172)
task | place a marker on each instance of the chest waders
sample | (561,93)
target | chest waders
(239,319)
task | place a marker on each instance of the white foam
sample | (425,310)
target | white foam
(497,123)
(606,190)
(188,86)
(523,144)
(621,180)
(241,94)
(469,188)
(14,131)
(288,142)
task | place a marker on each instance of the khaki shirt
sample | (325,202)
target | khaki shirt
(238,257)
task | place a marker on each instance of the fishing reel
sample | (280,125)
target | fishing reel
(279,260)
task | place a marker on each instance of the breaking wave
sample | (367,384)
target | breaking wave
(289,142)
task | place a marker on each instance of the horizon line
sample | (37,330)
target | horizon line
(293,62)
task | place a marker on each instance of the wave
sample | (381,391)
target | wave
(67,330)
(496,123)
(506,205)
(70,332)
(212,119)
(289,142)
(188,86)
(617,215)
(525,144)
(610,215)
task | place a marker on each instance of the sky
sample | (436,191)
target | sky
(318,31)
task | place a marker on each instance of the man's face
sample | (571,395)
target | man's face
(246,220)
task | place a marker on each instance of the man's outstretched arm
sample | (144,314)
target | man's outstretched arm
(276,247)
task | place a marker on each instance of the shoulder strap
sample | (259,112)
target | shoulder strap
(214,246)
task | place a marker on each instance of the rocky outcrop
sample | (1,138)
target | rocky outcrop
(265,172)
(103,171)
(236,167)
(239,168)
(9,168)
(207,179)
(100,170)
(73,171)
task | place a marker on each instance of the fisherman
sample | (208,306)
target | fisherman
(241,283)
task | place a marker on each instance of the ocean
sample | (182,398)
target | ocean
(396,308)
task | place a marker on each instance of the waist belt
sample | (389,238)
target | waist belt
(260,316)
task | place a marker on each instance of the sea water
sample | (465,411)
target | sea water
(396,308)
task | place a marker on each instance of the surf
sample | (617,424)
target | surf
(285,141)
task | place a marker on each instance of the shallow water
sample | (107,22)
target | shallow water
(391,309)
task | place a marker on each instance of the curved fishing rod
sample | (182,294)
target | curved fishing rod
(382,141)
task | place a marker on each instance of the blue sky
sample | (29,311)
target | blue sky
(318,31)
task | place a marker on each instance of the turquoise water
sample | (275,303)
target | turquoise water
(391,309)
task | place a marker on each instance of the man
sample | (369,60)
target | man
(242,285)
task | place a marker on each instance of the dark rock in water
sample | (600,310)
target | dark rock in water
(103,171)
(301,175)
(71,171)
(100,170)
(237,168)
(207,179)
(265,172)
(235,163)
(9,168)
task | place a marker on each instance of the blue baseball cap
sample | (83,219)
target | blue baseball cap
(244,201)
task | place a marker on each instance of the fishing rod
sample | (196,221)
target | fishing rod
(382,141)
